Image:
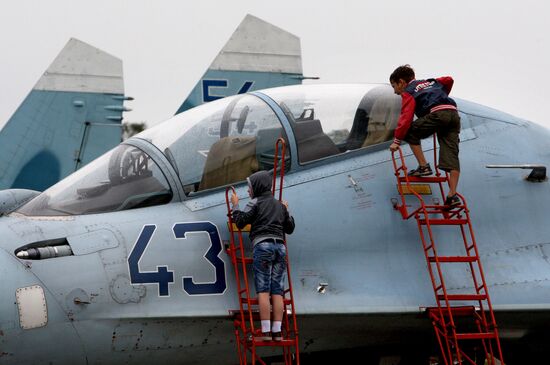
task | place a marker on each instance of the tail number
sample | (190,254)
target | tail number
(163,276)
(208,85)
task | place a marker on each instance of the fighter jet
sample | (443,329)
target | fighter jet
(123,261)
(72,116)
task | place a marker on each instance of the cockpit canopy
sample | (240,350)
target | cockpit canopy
(123,178)
(224,141)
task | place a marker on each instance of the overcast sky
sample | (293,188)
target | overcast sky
(497,51)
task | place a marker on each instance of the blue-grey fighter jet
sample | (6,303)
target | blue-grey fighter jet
(123,262)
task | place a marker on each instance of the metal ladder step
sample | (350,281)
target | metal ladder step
(254,301)
(425,179)
(475,336)
(283,343)
(452,258)
(443,221)
(462,311)
(462,297)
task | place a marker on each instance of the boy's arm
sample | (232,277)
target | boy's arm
(447,82)
(243,217)
(405,118)
(288,224)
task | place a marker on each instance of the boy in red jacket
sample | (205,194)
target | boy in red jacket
(437,113)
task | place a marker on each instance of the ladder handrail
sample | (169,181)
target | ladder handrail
(281,185)
(403,168)
(245,344)
(422,210)
(450,215)
(275,165)
(243,264)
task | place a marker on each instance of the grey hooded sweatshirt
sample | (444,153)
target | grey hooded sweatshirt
(268,217)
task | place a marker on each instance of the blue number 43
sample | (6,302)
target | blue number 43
(163,276)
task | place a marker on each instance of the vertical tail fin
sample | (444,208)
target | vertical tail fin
(72,115)
(258,55)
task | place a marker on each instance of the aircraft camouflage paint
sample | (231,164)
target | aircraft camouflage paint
(72,116)
(141,275)
(258,56)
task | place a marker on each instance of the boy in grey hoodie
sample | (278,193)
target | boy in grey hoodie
(269,220)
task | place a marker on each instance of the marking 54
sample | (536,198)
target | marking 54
(163,276)
(207,85)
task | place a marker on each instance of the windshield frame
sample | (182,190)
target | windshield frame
(151,152)
(148,136)
(163,163)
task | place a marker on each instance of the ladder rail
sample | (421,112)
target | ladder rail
(486,323)
(441,285)
(483,281)
(422,210)
(282,144)
(479,288)
(244,327)
(446,351)
(242,263)
(403,167)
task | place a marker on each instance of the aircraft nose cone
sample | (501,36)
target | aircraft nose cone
(31,320)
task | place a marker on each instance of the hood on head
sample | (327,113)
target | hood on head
(259,182)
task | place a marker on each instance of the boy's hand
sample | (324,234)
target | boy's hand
(394,147)
(234,199)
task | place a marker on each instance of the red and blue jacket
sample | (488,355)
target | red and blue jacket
(422,97)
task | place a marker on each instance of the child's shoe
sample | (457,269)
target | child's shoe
(263,336)
(452,201)
(421,171)
(277,336)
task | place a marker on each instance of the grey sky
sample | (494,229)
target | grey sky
(497,51)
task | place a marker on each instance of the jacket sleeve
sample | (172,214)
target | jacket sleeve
(243,217)
(288,224)
(405,118)
(447,82)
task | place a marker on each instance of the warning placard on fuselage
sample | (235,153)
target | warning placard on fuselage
(422,189)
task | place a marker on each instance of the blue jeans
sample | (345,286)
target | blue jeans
(269,267)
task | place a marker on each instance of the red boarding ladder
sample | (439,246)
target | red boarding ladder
(461,321)
(246,318)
